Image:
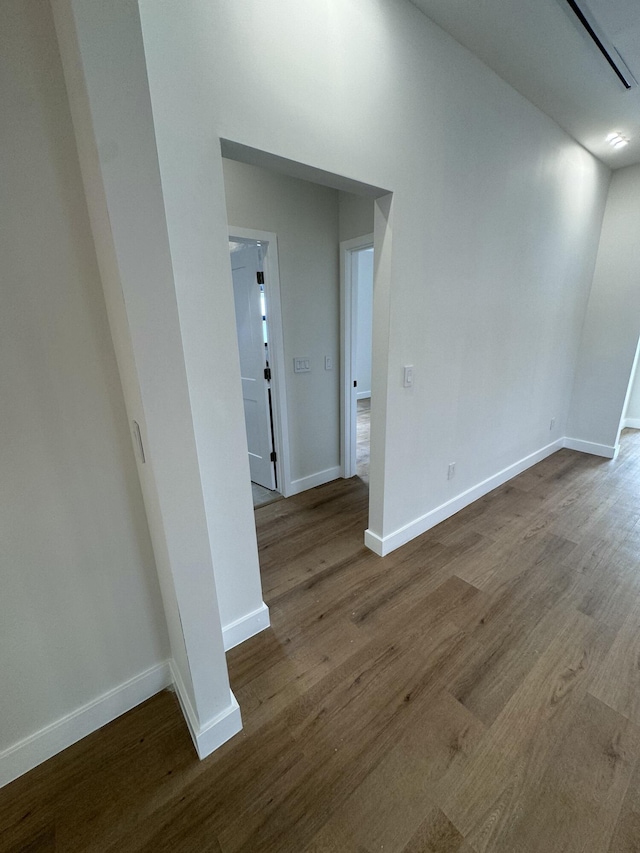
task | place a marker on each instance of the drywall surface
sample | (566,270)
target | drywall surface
(496,212)
(355,215)
(612,324)
(305,218)
(364,282)
(80,608)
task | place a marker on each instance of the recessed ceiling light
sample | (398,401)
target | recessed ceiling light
(617,140)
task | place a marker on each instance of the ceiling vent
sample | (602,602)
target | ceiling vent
(604,44)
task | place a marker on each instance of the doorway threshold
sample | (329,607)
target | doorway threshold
(262,496)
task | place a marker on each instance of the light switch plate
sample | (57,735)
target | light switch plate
(302,364)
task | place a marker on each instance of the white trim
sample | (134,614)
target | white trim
(317,479)
(43,744)
(348,319)
(208,737)
(276,349)
(605,450)
(246,626)
(363,395)
(631,423)
(220,729)
(375,543)
(383,545)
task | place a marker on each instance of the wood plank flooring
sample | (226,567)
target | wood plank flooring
(477,690)
(363,438)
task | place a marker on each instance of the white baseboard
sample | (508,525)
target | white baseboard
(318,479)
(207,737)
(247,626)
(384,545)
(38,747)
(606,450)
(631,423)
(376,543)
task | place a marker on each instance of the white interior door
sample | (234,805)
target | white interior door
(246,261)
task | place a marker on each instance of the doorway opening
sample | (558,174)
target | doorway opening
(356,280)
(256,291)
(313,212)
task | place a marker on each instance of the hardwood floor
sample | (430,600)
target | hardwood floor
(363,433)
(476,690)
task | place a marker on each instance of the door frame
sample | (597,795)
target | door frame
(635,367)
(348,320)
(275,338)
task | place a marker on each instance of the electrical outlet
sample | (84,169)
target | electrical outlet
(451,470)
(552,423)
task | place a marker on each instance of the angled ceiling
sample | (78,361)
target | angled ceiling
(541,49)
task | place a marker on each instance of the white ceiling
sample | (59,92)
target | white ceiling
(539,47)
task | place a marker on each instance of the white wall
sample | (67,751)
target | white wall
(364,282)
(496,214)
(305,218)
(80,608)
(612,324)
